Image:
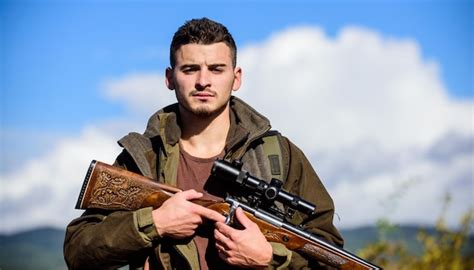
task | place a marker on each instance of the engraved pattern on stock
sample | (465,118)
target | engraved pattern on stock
(117,192)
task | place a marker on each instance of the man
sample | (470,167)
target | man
(178,148)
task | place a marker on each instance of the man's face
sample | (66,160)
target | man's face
(203,78)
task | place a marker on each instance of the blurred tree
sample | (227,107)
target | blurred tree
(443,250)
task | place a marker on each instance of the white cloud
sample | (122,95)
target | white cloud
(366,109)
(142,93)
(44,191)
(411,190)
(369,111)
(359,86)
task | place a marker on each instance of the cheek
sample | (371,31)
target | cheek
(184,82)
(180,84)
(226,83)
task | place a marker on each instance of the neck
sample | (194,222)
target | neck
(204,136)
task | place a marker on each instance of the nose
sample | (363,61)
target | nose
(203,80)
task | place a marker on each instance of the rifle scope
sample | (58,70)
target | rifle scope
(268,191)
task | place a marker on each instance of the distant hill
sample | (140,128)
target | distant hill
(355,239)
(42,248)
(36,249)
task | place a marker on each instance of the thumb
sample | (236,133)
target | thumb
(242,218)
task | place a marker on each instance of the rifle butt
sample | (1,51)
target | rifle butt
(112,188)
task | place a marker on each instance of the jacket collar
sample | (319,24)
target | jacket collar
(246,125)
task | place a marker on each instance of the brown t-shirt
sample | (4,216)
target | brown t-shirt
(193,173)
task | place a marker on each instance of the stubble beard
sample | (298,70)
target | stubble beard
(204,110)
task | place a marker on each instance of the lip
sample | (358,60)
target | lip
(203,95)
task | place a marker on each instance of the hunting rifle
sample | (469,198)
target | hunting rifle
(112,188)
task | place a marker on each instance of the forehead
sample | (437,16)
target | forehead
(204,53)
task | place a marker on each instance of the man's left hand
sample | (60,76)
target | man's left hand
(247,247)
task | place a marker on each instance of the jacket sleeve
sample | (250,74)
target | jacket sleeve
(109,239)
(303,181)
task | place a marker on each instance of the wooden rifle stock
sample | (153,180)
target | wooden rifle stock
(112,188)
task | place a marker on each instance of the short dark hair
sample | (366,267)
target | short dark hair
(202,31)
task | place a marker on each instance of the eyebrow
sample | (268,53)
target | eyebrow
(217,65)
(186,66)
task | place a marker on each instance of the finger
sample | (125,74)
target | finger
(223,255)
(220,238)
(220,248)
(189,194)
(242,218)
(223,241)
(208,213)
(225,229)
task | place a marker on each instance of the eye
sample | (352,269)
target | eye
(189,69)
(216,70)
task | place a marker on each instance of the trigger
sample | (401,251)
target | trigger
(230,217)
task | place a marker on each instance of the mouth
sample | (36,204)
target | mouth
(202,95)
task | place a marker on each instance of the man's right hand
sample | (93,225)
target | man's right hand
(178,217)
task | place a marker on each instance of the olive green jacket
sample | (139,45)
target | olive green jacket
(108,240)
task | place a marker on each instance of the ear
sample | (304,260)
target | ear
(169,80)
(237,78)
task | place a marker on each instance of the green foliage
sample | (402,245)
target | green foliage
(444,249)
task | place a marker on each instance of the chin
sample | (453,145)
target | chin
(204,112)
(207,111)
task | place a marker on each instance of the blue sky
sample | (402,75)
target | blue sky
(55,53)
(386,88)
